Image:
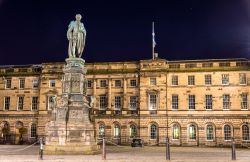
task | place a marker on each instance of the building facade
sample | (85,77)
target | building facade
(194,102)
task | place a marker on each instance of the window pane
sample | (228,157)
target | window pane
(210,132)
(175,102)
(245,132)
(227,132)
(209,102)
(153,131)
(226,101)
(152,101)
(191,102)
(176,132)
(192,132)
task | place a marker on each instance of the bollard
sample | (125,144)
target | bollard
(103,149)
(233,150)
(41,149)
(167,149)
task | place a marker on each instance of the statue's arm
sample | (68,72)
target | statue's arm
(70,28)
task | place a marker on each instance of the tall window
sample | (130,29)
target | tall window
(244,102)
(153,131)
(133,130)
(245,132)
(21,83)
(117,130)
(6,103)
(33,130)
(208,79)
(226,101)
(103,83)
(191,80)
(209,102)
(51,102)
(101,130)
(176,131)
(191,102)
(20,103)
(225,79)
(103,102)
(133,102)
(227,132)
(152,101)
(118,102)
(133,83)
(210,132)
(118,83)
(175,80)
(34,103)
(243,78)
(52,83)
(192,132)
(89,83)
(8,83)
(175,102)
(35,83)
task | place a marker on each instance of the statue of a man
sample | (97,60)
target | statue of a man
(76,35)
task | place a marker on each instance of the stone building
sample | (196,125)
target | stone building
(201,102)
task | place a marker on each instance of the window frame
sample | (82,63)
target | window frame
(229,132)
(153,131)
(208,79)
(175,80)
(243,80)
(33,130)
(244,101)
(191,80)
(34,103)
(7,98)
(133,83)
(209,134)
(154,105)
(103,83)
(226,104)
(8,83)
(191,102)
(20,103)
(209,102)
(175,102)
(176,129)
(52,83)
(225,79)
(153,81)
(192,137)
(245,132)
(133,102)
(21,83)
(103,102)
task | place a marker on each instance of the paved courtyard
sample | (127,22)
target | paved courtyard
(128,154)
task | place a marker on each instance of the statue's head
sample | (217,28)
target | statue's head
(78,17)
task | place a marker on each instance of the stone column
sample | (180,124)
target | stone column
(125,105)
(109,92)
(94,91)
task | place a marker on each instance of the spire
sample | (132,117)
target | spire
(153,41)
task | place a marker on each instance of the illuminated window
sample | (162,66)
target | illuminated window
(192,132)
(117,130)
(101,130)
(176,131)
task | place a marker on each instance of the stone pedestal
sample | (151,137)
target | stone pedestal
(70,130)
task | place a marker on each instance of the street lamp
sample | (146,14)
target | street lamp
(167,140)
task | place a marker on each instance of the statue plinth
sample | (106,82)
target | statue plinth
(70,130)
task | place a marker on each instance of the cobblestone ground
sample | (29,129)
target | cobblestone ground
(128,154)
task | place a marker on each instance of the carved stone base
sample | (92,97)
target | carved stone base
(72,149)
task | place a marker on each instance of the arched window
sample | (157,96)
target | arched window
(117,130)
(153,131)
(133,131)
(245,132)
(192,132)
(210,132)
(33,130)
(227,132)
(176,131)
(101,130)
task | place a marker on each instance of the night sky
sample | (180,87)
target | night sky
(34,32)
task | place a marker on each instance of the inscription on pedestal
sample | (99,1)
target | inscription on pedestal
(76,114)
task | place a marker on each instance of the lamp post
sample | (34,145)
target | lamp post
(167,140)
